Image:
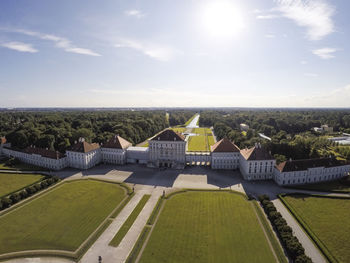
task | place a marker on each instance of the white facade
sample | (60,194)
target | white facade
(84,160)
(225,160)
(310,175)
(138,155)
(256,169)
(37,159)
(113,156)
(170,154)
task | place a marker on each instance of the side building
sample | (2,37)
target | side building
(225,155)
(114,150)
(294,172)
(167,149)
(256,163)
(49,159)
(83,155)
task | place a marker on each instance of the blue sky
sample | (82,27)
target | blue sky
(253,53)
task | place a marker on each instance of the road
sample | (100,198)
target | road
(193,123)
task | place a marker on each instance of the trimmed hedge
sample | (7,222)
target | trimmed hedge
(290,242)
(20,195)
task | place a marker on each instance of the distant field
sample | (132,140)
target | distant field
(10,182)
(328,219)
(61,219)
(207,227)
(201,142)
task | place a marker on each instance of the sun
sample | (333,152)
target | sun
(221,19)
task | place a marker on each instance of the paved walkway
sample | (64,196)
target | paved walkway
(310,249)
(119,254)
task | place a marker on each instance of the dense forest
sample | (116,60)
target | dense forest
(290,130)
(58,130)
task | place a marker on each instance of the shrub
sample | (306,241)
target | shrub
(266,202)
(263,197)
(38,187)
(44,184)
(31,190)
(274,215)
(6,202)
(303,259)
(270,208)
(15,197)
(23,194)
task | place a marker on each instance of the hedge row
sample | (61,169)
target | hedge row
(14,198)
(290,242)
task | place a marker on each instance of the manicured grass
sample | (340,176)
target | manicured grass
(211,140)
(197,143)
(146,144)
(23,167)
(128,223)
(327,219)
(207,227)
(61,219)
(10,182)
(334,186)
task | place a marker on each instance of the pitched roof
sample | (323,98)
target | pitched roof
(117,142)
(224,145)
(256,153)
(84,147)
(44,152)
(168,135)
(301,165)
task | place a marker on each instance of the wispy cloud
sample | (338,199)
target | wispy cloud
(154,51)
(314,15)
(270,36)
(19,46)
(60,42)
(135,13)
(325,53)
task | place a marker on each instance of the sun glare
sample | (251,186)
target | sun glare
(221,19)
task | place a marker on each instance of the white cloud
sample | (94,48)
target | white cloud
(60,42)
(19,46)
(315,15)
(270,36)
(157,52)
(324,53)
(135,13)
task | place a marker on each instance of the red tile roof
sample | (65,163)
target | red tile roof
(224,145)
(256,153)
(84,147)
(117,142)
(44,152)
(168,135)
(301,165)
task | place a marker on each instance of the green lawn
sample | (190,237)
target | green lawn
(22,166)
(328,219)
(10,182)
(338,186)
(61,219)
(128,223)
(201,142)
(179,129)
(207,227)
(197,143)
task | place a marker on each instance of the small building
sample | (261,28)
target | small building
(256,163)
(323,129)
(294,172)
(244,127)
(83,155)
(167,149)
(224,155)
(114,150)
(138,155)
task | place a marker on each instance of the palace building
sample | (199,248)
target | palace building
(168,149)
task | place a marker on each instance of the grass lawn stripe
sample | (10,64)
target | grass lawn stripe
(328,220)
(207,227)
(10,182)
(62,219)
(128,223)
